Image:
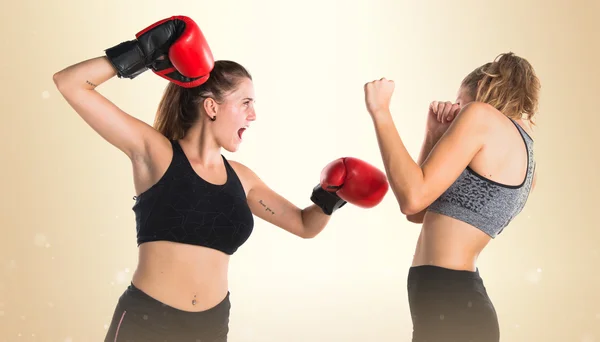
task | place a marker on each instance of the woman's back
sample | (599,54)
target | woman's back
(485,198)
(473,177)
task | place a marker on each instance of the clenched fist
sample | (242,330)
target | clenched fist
(378,95)
(440,116)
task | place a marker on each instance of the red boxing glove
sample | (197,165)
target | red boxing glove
(349,180)
(174,48)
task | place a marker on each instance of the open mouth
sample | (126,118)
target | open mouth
(241,131)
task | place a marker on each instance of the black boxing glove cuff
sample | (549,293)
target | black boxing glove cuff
(127,58)
(329,202)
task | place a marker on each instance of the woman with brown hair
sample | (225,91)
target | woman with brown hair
(194,208)
(473,177)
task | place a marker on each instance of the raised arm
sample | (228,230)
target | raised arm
(417,186)
(439,117)
(174,48)
(77,84)
(428,143)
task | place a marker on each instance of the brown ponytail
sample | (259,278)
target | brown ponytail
(509,84)
(180,107)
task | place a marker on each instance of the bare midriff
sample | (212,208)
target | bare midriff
(449,243)
(185,277)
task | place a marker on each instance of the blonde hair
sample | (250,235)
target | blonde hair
(509,84)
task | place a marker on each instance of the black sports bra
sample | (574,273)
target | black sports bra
(182,207)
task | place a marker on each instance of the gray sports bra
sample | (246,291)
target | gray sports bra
(483,203)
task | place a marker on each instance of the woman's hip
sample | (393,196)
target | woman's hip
(450,305)
(139,317)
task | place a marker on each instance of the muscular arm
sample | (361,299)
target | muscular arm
(417,186)
(267,204)
(77,84)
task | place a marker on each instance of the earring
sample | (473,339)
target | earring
(213,118)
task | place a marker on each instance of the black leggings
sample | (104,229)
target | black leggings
(139,317)
(450,306)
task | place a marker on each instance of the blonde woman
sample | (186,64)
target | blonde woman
(473,177)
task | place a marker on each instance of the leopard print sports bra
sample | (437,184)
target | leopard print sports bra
(483,203)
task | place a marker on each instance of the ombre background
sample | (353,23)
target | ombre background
(68,250)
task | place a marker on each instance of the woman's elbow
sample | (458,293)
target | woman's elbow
(410,206)
(416,217)
(308,236)
(65,85)
(407,210)
(409,201)
(58,80)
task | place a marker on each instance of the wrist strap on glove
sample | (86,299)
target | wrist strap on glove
(329,202)
(127,58)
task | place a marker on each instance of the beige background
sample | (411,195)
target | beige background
(68,236)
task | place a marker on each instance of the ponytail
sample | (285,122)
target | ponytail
(509,84)
(170,112)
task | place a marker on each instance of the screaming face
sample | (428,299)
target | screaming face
(233,116)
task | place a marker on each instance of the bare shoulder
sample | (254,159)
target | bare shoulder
(475,119)
(240,168)
(485,118)
(248,177)
(479,114)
